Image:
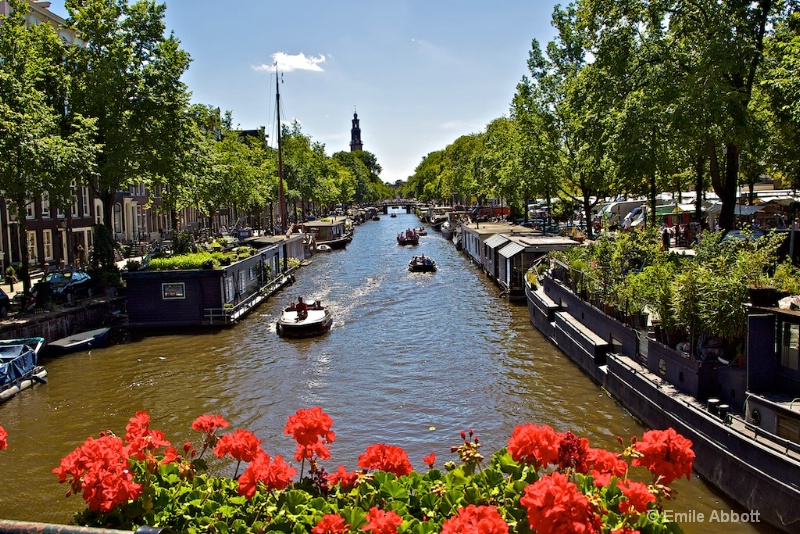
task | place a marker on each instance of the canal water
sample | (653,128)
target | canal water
(412,359)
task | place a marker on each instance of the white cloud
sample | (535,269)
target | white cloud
(288,63)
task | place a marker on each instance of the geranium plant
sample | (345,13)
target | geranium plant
(543,481)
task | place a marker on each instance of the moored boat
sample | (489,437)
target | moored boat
(421,230)
(749,455)
(422,264)
(19,365)
(80,341)
(304,320)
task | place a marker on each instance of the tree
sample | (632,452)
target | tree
(35,159)
(126,76)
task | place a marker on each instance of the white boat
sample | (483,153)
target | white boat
(447,230)
(324,248)
(315,321)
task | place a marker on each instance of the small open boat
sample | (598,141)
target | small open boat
(422,264)
(316,321)
(409,237)
(421,230)
(323,248)
(19,365)
(80,341)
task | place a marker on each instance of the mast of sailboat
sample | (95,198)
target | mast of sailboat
(281,196)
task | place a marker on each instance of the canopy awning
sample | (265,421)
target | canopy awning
(496,241)
(511,249)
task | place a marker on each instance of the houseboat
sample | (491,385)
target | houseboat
(332,232)
(210,297)
(742,420)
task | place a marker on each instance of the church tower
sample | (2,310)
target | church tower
(355,135)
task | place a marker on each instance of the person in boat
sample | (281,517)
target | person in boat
(302,309)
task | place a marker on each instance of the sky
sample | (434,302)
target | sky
(420,74)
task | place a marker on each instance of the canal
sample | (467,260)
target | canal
(412,359)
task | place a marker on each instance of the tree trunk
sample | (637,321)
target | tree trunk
(699,187)
(653,193)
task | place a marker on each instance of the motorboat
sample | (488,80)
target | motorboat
(324,248)
(295,321)
(80,341)
(422,264)
(19,365)
(421,230)
(409,237)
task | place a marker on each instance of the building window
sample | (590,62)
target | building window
(173,291)
(74,200)
(791,339)
(46,204)
(85,199)
(30,212)
(32,258)
(47,243)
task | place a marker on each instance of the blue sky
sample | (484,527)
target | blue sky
(419,73)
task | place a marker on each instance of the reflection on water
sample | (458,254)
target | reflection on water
(412,359)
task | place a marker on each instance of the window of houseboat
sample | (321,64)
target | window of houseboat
(791,340)
(173,291)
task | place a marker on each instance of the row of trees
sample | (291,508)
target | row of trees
(110,111)
(638,97)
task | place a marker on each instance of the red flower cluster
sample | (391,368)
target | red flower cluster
(208,424)
(242,445)
(276,475)
(604,465)
(311,429)
(141,439)
(475,520)
(572,452)
(99,468)
(331,524)
(430,460)
(346,480)
(534,445)
(666,454)
(389,458)
(380,522)
(555,506)
(3,439)
(638,496)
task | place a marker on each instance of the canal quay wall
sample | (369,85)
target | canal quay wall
(51,325)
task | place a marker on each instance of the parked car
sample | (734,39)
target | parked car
(5,304)
(68,286)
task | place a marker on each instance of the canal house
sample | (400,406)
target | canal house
(207,297)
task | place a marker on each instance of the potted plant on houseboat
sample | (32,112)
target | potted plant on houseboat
(755,258)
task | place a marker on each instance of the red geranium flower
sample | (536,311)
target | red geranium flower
(430,460)
(380,522)
(666,454)
(311,429)
(3,439)
(572,452)
(555,505)
(208,424)
(638,496)
(140,438)
(534,445)
(331,524)
(604,465)
(475,520)
(276,475)
(242,445)
(389,458)
(346,480)
(99,468)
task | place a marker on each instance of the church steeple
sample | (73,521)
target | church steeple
(355,135)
